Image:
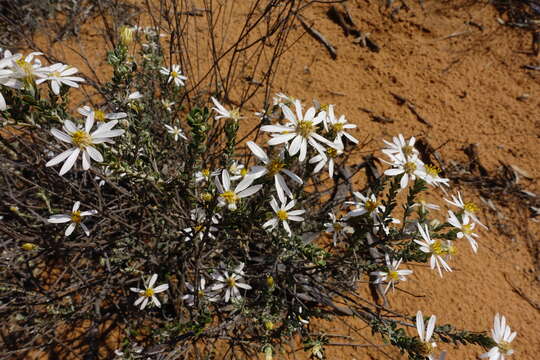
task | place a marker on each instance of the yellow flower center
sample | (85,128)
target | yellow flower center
(231,282)
(229,196)
(268,325)
(282,215)
(467,229)
(26,67)
(81,139)
(437,248)
(451,249)
(244,172)
(29,246)
(206,197)
(409,167)
(235,114)
(338,227)
(174,74)
(205,172)
(99,115)
(198,228)
(76,216)
(274,167)
(432,170)
(56,74)
(425,349)
(331,152)
(338,127)
(325,107)
(470,207)
(408,150)
(371,205)
(270,281)
(393,275)
(504,347)
(305,128)
(148,292)
(200,293)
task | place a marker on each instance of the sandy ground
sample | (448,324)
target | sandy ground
(469,85)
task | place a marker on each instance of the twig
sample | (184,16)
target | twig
(318,36)
(412,107)
(520,292)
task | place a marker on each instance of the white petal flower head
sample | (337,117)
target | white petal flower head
(339,126)
(60,74)
(237,170)
(223,113)
(230,283)
(74,218)
(425,206)
(301,129)
(99,115)
(200,293)
(283,214)
(30,67)
(273,167)
(82,141)
(327,158)
(281,98)
(338,228)
(176,132)
(435,248)
(365,205)
(174,74)
(431,176)
(409,167)
(465,228)
(205,175)
(149,293)
(198,217)
(467,207)
(424,333)
(400,147)
(503,337)
(392,275)
(229,197)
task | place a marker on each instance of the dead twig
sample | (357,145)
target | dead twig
(520,292)
(412,107)
(318,36)
(344,19)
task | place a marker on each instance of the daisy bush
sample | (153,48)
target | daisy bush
(152,213)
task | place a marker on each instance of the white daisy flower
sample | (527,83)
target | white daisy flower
(301,129)
(466,228)
(424,333)
(327,158)
(339,125)
(409,167)
(229,197)
(176,132)
(99,115)
(469,208)
(425,206)
(365,205)
(237,170)
(431,176)
(434,247)
(28,68)
(273,167)
(230,283)
(83,141)
(167,104)
(59,74)
(338,228)
(8,77)
(200,293)
(393,275)
(283,214)
(198,216)
(205,175)
(174,74)
(223,113)
(400,147)
(149,293)
(75,217)
(503,336)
